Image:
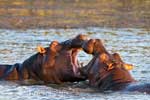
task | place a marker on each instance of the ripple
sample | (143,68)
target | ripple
(17,45)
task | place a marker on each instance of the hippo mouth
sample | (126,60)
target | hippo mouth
(74,61)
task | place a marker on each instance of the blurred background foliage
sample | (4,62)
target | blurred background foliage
(74,13)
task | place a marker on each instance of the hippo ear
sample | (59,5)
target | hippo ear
(128,66)
(117,57)
(41,49)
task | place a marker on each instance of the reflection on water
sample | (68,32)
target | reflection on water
(17,45)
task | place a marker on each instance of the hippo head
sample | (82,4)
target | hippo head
(108,74)
(105,70)
(63,58)
(73,46)
(94,46)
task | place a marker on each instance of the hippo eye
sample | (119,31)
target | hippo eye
(110,66)
(114,61)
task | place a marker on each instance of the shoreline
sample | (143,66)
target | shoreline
(30,14)
(20,22)
(71,27)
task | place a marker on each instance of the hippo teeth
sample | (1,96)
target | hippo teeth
(74,61)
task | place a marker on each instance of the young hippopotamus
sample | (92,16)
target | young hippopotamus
(108,72)
(54,64)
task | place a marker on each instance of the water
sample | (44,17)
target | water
(17,45)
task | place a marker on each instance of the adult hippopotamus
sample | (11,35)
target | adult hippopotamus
(54,64)
(108,72)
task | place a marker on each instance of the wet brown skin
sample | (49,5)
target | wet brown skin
(11,72)
(108,71)
(56,65)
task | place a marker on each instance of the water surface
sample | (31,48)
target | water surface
(17,45)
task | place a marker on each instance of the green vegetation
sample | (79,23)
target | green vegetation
(74,13)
